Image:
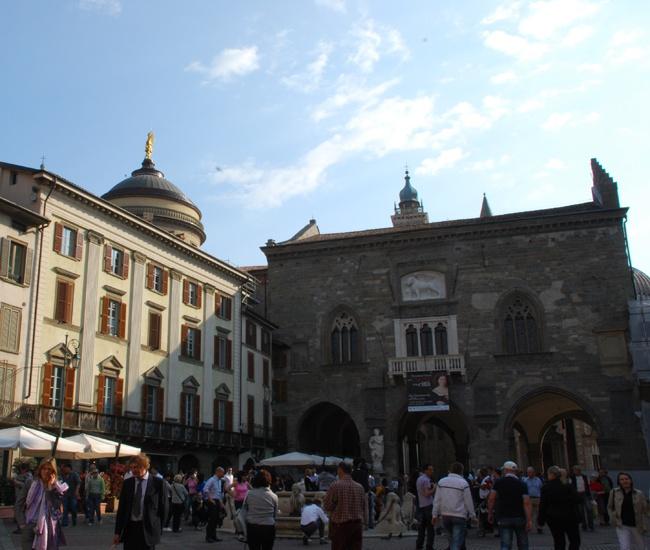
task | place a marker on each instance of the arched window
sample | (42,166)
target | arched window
(412,342)
(426,340)
(520,327)
(442,347)
(344,340)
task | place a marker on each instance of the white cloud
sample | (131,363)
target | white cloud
(504,77)
(514,45)
(556,121)
(109,7)
(545,18)
(503,12)
(335,5)
(594,68)
(554,164)
(310,79)
(488,164)
(371,41)
(227,64)
(530,105)
(446,159)
(578,34)
(625,38)
(396,44)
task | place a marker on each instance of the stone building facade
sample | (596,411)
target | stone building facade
(129,324)
(526,312)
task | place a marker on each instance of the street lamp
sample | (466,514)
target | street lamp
(68,359)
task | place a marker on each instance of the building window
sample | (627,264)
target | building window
(426,340)
(68,241)
(279,391)
(442,347)
(520,327)
(64,298)
(190,408)
(223,306)
(113,318)
(57,387)
(116,261)
(221,415)
(17,255)
(109,395)
(157,278)
(191,293)
(69,244)
(10,318)
(155,326)
(15,261)
(223,410)
(425,337)
(266,341)
(251,334)
(153,402)
(344,340)
(110,392)
(251,366)
(222,352)
(412,342)
(266,374)
(250,417)
(191,342)
(7,382)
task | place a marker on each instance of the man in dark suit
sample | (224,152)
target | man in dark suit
(558,506)
(143,508)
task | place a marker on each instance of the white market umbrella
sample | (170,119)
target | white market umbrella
(335,461)
(98,447)
(33,442)
(293,459)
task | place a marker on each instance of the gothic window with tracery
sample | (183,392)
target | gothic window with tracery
(520,327)
(345,340)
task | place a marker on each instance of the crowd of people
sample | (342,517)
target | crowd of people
(505,501)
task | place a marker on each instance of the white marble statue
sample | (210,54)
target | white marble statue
(376,444)
(424,285)
(390,522)
(297,500)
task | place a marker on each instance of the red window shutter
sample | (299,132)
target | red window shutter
(229,416)
(251,366)
(217,303)
(121,330)
(61,301)
(79,245)
(229,354)
(251,415)
(265,373)
(199,296)
(215,418)
(160,404)
(184,330)
(197,410)
(183,419)
(150,269)
(107,258)
(154,330)
(46,391)
(69,388)
(58,237)
(68,303)
(104,316)
(144,396)
(228,309)
(165,281)
(119,396)
(186,291)
(217,342)
(101,386)
(125,265)
(197,348)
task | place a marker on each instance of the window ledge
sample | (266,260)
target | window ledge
(65,272)
(154,305)
(222,369)
(111,338)
(191,305)
(55,323)
(116,275)
(160,352)
(73,258)
(190,360)
(13,282)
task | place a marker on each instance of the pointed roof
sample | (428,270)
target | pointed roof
(486,211)
(604,189)
(408,193)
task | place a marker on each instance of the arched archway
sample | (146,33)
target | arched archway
(552,426)
(327,429)
(188,463)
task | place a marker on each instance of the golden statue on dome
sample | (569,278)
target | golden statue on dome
(148,148)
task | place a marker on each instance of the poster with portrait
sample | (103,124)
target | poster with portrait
(427,391)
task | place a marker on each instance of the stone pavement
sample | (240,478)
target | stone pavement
(84,537)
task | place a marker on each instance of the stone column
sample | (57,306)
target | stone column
(174,347)
(133,383)
(86,393)
(237,362)
(207,335)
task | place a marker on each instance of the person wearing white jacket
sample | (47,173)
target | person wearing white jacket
(453,503)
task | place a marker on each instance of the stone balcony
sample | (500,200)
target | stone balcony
(401,366)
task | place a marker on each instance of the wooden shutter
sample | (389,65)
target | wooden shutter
(46,390)
(107,258)
(27,272)
(251,366)
(58,237)
(154,330)
(228,309)
(197,410)
(217,304)
(61,301)
(251,415)
(101,386)
(215,414)
(119,396)
(144,397)
(104,315)
(150,271)
(183,419)
(217,355)
(229,354)
(197,347)
(199,296)
(160,404)
(184,330)
(186,291)
(165,281)
(229,416)
(121,329)
(69,388)
(79,245)
(68,302)
(265,373)
(125,264)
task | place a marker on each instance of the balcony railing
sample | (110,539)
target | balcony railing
(133,429)
(401,366)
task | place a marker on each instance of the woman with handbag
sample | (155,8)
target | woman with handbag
(627,509)
(261,508)
(179,497)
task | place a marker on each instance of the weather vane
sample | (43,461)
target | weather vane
(148,148)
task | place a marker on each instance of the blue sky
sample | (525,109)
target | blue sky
(270,113)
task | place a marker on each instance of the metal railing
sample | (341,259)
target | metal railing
(400,366)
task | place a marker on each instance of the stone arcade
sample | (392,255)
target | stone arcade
(527,312)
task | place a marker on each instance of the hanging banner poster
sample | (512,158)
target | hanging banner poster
(427,391)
